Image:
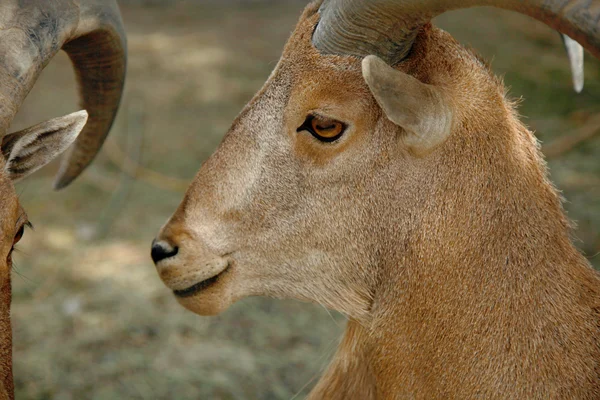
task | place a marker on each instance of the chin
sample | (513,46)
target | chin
(204,305)
(207,300)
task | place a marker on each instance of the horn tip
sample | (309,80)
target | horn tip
(576,55)
(62,181)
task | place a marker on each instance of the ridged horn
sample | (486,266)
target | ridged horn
(387,28)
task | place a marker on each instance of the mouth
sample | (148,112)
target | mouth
(200,286)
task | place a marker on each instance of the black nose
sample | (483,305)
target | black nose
(162,250)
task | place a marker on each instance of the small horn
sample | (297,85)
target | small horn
(575,54)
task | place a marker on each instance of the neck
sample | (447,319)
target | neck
(483,293)
(487,296)
(350,375)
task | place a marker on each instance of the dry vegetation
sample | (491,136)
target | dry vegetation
(91,318)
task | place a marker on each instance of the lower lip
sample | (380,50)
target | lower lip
(200,286)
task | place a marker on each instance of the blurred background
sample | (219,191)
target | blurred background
(92,319)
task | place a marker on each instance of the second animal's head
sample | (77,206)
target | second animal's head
(31,33)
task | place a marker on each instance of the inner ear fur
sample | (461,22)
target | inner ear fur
(420,109)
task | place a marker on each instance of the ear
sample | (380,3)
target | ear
(28,150)
(420,109)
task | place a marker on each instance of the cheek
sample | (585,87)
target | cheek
(226,183)
(244,200)
(320,220)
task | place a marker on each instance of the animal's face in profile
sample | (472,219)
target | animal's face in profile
(404,193)
(340,161)
(296,200)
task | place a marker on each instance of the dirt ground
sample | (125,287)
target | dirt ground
(91,318)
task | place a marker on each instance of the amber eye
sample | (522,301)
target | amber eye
(324,129)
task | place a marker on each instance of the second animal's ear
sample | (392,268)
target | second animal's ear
(420,109)
(28,150)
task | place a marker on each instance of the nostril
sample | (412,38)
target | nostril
(161,250)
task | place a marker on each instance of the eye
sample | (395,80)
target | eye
(322,128)
(16,239)
(19,235)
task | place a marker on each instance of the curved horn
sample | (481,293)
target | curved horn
(388,28)
(92,34)
(99,55)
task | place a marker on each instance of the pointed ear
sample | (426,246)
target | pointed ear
(28,150)
(420,109)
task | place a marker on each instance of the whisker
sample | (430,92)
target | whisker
(25,278)
(330,315)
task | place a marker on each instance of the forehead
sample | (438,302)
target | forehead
(314,78)
(300,55)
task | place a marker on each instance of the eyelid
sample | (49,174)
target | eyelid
(23,221)
(317,114)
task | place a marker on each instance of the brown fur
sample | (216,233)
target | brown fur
(455,267)
(10,216)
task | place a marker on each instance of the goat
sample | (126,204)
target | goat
(31,33)
(381,171)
